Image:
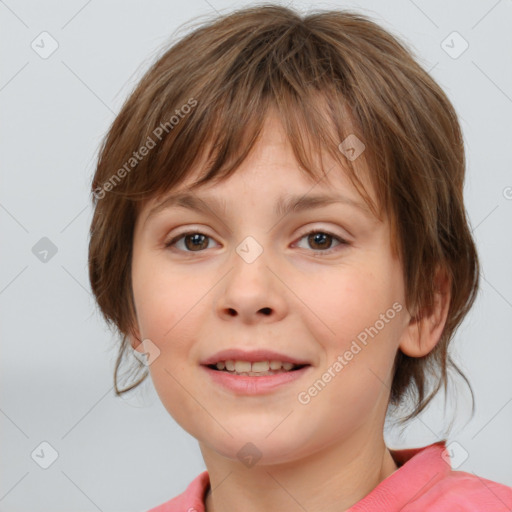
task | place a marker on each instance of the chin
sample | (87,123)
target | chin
(255,448)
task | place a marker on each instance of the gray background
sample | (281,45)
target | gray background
(57,354)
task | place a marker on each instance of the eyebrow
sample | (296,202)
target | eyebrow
(284,205)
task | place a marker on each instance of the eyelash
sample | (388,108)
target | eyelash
(318,251)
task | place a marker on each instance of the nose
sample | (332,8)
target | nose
(252,292)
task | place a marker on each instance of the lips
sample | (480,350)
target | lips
(256,384)
(252,356)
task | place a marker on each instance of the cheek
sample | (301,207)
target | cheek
(166,314)
(162,299)
(357,314)
(347,301)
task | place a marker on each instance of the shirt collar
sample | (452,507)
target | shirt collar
(418,470)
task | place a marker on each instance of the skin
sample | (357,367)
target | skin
(324,455)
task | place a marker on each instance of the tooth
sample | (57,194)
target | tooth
(242,366)
(260,366)
(256,368)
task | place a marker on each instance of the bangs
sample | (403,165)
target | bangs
(208,126)
(342,87)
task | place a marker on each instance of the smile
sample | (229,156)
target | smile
(268,377)
(254,369)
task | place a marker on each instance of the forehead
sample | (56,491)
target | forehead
(272,167)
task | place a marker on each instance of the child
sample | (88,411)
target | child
(279,229)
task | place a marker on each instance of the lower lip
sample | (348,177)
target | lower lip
(245,385)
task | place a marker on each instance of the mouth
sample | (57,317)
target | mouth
(256,368)
(252,378)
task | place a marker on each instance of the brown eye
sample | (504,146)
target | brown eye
(193,241)
(196,241)
(321,241)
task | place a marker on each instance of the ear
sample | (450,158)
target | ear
(425,328)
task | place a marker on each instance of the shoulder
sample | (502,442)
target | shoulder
(425,482)
(459,491)
(190,500)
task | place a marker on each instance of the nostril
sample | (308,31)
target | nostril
(266,311)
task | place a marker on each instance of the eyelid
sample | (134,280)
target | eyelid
(190,230)
(341,241)
(327,231)
(200,229)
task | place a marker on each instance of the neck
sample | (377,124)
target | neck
(330,480)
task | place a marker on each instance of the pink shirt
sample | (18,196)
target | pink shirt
(423,482)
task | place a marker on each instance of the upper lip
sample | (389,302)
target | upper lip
(234,354)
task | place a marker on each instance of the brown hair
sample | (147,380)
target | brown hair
(214,88)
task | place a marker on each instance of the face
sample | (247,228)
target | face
(317,285)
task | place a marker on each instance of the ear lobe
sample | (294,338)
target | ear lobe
(425,329)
